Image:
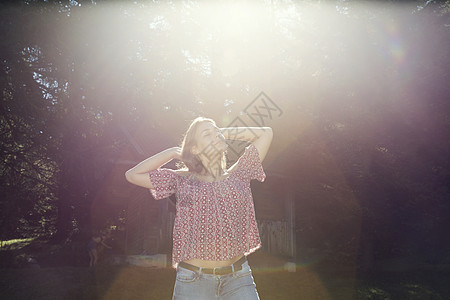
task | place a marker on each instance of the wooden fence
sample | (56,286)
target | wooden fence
(277,237)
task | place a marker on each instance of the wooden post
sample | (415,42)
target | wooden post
(290,220)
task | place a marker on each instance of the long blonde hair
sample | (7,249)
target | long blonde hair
(191,161)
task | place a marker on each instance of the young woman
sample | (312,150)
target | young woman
(215,226)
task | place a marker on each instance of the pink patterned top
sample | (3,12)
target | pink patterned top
(214,220)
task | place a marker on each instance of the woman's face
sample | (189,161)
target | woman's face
(209,139)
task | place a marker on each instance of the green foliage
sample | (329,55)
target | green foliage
(27,171)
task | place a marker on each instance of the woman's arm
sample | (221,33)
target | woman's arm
(139,174)
(260,137)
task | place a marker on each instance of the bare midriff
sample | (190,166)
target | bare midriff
(213,263)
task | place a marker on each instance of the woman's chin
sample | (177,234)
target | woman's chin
(220,146)
(223,148)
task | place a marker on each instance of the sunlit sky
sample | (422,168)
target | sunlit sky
(250,42)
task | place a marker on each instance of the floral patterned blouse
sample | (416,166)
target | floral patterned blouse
(214,220)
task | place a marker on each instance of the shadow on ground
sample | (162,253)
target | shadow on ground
(276,278)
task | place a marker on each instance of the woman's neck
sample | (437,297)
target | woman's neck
(213,172)
(212,168)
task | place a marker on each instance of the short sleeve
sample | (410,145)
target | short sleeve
(249,165)
(164,183)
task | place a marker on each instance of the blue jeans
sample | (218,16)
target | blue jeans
(200,286)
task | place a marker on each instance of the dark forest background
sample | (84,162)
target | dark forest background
(363,87)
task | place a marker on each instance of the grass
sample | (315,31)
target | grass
(132,282)
(313,281)
(15,243)
(85,283)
